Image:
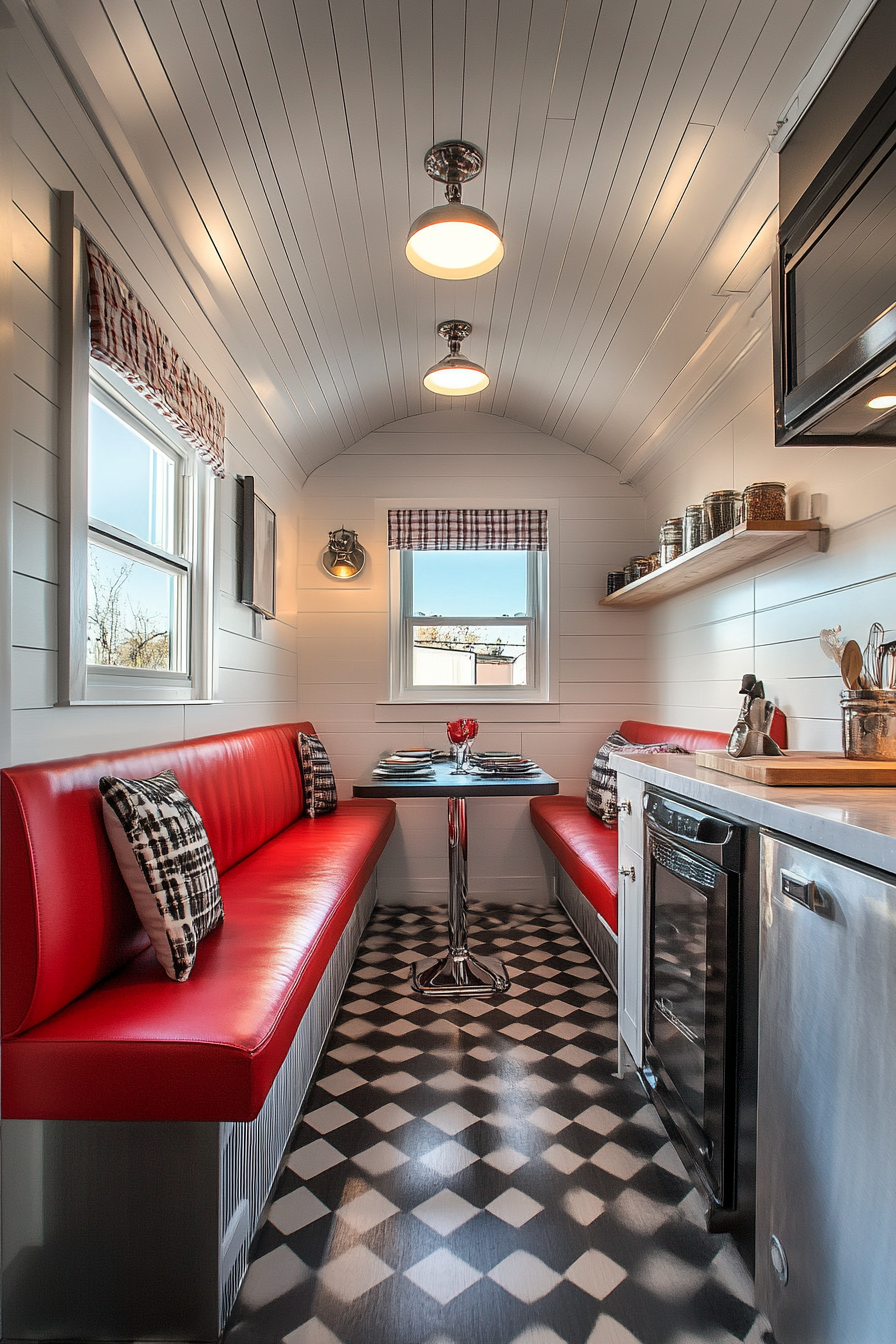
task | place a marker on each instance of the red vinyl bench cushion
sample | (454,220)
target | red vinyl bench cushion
(93,1029)
(137,1046)
(585,848)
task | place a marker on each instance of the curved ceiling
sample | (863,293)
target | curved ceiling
(277,147)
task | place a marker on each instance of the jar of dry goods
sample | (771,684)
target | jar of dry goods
(629,574)
(692,527)
(640,566)
(722,509)
(765,502)
(670,540)
(615,580)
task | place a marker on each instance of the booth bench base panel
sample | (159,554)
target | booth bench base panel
(594,930)
(142,1229)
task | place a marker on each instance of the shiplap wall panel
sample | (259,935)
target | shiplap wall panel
(258,676)
(604,673)
(767,618)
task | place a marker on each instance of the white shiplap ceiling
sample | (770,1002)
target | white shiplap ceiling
(277,147)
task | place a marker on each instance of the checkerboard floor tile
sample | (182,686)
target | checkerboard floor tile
(472,1172)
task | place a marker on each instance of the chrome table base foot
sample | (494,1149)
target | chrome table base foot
(458,974)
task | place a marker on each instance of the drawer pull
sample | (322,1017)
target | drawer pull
(628,872)
(623,805)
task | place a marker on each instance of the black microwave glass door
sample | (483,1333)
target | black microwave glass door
(846,279)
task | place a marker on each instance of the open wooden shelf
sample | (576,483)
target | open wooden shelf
(743,545)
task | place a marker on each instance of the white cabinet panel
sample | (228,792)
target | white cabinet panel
(631,813)
(631,951)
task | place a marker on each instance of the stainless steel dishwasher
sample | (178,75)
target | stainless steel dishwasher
(826,1189)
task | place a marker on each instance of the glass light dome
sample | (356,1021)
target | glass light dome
(454,242)
(455,375)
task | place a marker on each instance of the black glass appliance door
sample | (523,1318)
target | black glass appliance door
(691,1018)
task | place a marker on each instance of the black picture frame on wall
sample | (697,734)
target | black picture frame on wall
(258,559)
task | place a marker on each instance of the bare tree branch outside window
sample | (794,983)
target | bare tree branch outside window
(121,633)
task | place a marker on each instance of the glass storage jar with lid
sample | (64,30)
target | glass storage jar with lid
(640,566)
(765,502)
(722,510)
(670,540)
(692,527)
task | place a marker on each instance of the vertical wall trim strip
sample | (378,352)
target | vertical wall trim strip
(6,398)
(73,410)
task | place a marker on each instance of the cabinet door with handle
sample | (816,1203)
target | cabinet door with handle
(826,1187)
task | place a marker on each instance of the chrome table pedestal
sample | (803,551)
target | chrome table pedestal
(458,972)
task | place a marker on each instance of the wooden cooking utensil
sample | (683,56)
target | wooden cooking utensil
(851,664)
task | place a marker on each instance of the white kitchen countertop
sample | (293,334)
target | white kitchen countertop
(855,823)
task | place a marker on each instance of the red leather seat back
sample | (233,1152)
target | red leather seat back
(67,918)
(693,739)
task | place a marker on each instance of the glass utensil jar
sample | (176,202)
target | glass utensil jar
(869,725)
(722,511)
(692,527)
(765,502)
(670,540)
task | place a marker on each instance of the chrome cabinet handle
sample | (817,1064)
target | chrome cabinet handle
(628,872)
(624,805)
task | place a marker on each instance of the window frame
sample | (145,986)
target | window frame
(196,526)
(542,690)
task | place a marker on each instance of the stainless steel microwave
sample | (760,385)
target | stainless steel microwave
(834,296)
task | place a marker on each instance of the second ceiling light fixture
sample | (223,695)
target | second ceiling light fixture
(454,242)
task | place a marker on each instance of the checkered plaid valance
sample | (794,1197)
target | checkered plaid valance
(123,335)
(468,529)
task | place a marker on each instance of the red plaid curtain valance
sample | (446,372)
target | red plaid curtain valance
(124,336)
(468,529)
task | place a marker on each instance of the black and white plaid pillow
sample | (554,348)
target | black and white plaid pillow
(318,782)
(167,862)
(601,798)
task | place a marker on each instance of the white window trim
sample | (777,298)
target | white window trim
(78,682)
(545,690)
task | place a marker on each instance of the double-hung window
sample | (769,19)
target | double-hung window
(471,594)
(144,446)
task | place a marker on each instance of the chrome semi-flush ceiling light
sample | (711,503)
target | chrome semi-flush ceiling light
(455,375)
(454,241)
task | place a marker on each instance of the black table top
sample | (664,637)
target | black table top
(448,785)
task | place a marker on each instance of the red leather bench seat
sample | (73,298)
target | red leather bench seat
(130,1044)
(585,848)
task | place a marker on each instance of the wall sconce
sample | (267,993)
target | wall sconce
(344,557)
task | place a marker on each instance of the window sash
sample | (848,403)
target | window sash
(180,637)
(530,620)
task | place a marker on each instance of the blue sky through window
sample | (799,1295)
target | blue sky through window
(130,482)
(470,583)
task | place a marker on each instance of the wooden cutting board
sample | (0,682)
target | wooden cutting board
(801,767)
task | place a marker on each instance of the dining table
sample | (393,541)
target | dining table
(458,972)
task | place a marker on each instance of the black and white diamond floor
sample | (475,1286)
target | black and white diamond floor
(472,1172)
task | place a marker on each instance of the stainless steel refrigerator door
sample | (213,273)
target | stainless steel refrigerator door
(826,1198)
